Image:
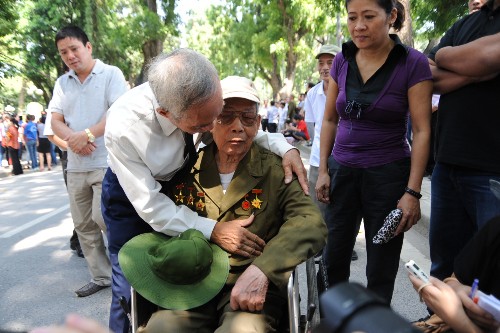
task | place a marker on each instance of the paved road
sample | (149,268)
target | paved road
(39,272)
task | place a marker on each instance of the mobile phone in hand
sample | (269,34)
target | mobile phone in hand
(413,268)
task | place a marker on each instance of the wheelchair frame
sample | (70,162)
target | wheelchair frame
(297,323)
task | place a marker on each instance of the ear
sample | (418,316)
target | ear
(393,16)
(89,47)
(163,112)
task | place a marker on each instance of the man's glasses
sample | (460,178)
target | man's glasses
(247,117)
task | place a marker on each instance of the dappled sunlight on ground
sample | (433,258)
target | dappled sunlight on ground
(51,236)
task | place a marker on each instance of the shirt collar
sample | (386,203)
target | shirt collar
(349,49)
(97,69)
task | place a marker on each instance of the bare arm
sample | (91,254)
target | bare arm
(419,98)
(480,57)
(329,130)
(446,81)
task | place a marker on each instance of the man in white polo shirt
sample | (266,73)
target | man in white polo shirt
(79,103)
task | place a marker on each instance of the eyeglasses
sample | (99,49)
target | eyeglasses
(247,117)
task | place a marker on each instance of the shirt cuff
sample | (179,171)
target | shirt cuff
(206,226)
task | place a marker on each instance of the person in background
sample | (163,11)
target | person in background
(43,147)
(273,117)
(300,105)
(475,5)
(291,106)
(3,142)
(466,143)
(314,107)
(282,116)
(31,139)
(79,104)
(263,115)
(375,82)
(150,144)
(12,143)
(20,137)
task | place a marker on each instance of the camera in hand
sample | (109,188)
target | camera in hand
(350,307)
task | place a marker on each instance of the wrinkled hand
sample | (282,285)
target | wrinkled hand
(292,163)
(411,213)
(74,324)
(234,238)
(249,292)
(78,143)
(323,187)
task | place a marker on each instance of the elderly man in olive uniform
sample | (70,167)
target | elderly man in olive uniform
(233,179)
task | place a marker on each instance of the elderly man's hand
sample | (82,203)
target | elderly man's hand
(292,163)
(249,292)
(74,324)
(234,238)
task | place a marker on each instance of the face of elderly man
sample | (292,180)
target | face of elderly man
(235,128)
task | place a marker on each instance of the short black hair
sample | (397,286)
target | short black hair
(72,31)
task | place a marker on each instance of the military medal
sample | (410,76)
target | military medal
(200,205)
(257,202)
(245,204)
(190,198)
(179,197)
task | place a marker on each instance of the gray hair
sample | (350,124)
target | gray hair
(182,78)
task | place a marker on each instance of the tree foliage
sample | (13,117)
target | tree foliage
(263,38)
(271,40)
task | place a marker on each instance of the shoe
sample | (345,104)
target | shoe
(89,289)
(77,248)
(354,256)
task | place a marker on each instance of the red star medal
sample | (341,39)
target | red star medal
(179,197)
(200,205)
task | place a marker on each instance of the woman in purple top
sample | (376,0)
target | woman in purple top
(376,82)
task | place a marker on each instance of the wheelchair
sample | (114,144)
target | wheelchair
(295,323)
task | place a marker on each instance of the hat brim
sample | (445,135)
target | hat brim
(134,264)
(243,95)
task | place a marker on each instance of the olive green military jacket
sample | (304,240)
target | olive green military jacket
(285,218)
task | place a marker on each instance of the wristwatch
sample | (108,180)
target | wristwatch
(90,135)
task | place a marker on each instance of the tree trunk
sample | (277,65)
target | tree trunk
(150,48)
(405,34)
(432,42)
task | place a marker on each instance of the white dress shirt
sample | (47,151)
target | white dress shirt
(315,109)
(144,147)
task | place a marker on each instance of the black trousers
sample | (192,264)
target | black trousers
(368,194)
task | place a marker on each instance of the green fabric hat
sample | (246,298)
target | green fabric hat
(177,273)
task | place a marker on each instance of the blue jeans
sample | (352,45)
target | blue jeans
(461,203)
(53,154)
(31,146)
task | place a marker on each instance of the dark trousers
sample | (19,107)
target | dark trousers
(123,223)
(17,168)
(272,127)
(264,123)
(368,194)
